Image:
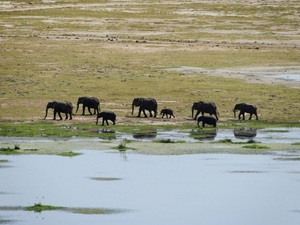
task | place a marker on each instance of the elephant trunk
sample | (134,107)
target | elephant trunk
(46,112)
(193,112)
(132,109)
(77,107)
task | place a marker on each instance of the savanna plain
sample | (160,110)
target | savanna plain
(177,52)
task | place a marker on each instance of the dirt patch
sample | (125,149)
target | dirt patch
(259,75)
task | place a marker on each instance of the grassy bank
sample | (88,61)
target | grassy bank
(119,51)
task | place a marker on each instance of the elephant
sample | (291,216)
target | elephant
(245,108)
(64,107)
(207,120)
(106,115)
(90,103)
(149,104)
(167,112)
(205,107)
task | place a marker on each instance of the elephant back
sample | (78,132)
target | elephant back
(150,103)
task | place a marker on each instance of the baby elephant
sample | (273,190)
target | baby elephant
(106,115)
(167,112)
(207,120)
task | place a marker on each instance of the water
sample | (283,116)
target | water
(278,135)
(290,77)
(186,189)
(290,135)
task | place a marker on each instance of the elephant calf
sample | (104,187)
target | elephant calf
(207,120)
(167,112)
(106,115)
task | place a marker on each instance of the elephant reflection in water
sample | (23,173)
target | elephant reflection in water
(245,133)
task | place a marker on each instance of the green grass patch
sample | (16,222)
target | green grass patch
(69,154)
(297,143)
(3,160)
(38,207)
(256,146)
(105,178)
(10,151)
(225,141)
(277,131)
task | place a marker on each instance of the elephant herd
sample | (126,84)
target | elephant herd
(150,105)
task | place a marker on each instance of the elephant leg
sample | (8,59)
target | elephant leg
(203,124)
(70,115)
(250,116)
(59,115)
(150,113)
(89,109)
(103,121)
(66,116)
(106,122)
(256,116)
(240,115)
(197,113)
(83,109)
(140,110)
(144,113)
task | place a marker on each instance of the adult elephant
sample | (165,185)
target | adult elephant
(149,104)
(60,107)
(204,107)
(90,103)
(245,108)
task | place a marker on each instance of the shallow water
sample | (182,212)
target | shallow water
(289,136)
(186,189)
(291,77)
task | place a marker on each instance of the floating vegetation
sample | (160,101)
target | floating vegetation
(289,159)
(69,154)
(38,207)
(105,178)
(245,171)
(3,160)
(122,146)
(297,143)
(256,146)
(94,211)
(277,131)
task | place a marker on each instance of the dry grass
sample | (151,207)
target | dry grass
(120,50)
